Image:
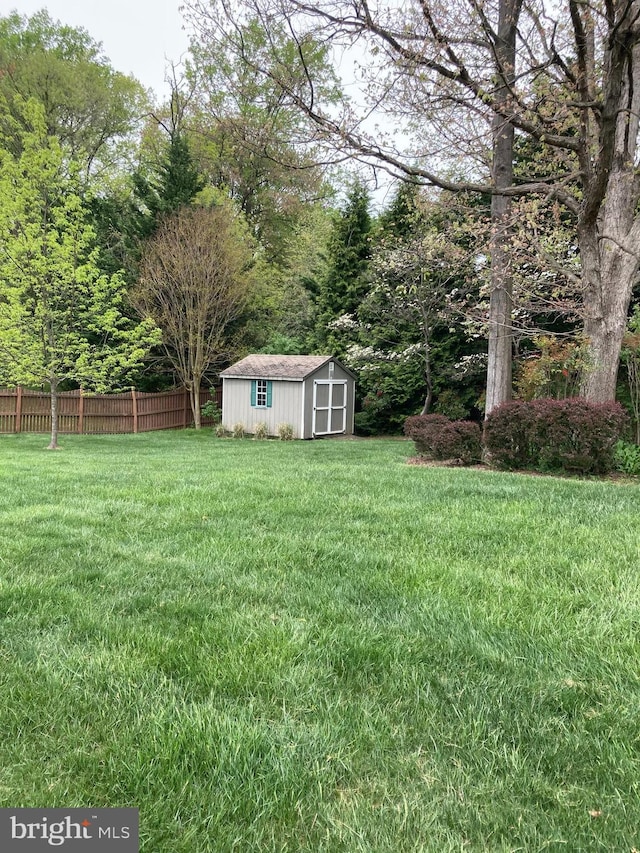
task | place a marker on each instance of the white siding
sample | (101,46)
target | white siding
(291,403)
(286,406)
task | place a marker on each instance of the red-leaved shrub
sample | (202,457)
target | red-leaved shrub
(555,435)
(436,437)
(507,435)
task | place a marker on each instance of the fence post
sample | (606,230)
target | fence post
(80,412)
(18,423)
(186,407)
(134,401)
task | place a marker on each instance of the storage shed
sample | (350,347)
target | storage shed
(313,393)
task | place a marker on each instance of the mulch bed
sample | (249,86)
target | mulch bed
(614,477)
(445,463)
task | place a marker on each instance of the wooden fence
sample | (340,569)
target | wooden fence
(30,411)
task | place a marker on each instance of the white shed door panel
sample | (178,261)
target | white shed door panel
(329,406)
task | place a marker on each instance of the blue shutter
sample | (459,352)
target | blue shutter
(253,392)
(269,393)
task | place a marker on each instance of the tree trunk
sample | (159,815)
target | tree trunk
(609,258)
(609,228)
(194,394)
(426,407)
(53,444)
(500,356)
(426,336)
(607,293)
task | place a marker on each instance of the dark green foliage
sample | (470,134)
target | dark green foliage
(279,344)
(555,435)
(175,184)
(347,279)
(122,222)
(389,392)
(627,458)
(180,181)
(116,225)
(399,219)
(437,437)
(450,404)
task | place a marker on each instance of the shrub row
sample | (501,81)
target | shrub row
(555,435)
(547,435)
(436,437)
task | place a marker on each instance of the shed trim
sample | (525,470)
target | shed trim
(252,376)
(284,368)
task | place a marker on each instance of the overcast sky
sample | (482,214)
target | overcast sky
(138,36)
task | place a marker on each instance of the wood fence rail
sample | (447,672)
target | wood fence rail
(22,410)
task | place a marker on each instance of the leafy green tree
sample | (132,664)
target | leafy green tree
(61,318)
(247,138)
(93,110)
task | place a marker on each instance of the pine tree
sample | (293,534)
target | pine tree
(176,183)
(347,278)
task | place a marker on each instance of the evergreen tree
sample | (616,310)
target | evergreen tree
(176,183)
(124,220)
(399,219)
(347,278)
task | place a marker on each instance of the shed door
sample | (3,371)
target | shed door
(329,406)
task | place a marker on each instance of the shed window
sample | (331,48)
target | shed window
(261,393)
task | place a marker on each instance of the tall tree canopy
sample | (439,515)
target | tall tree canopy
(91,109)
(461,78)
(349,249)
(247,137)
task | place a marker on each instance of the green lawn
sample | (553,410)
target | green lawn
(270,646)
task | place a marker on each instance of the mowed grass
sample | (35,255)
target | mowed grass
(313,646)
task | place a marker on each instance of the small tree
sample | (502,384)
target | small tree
(195,282)
(60,317)
(408,325)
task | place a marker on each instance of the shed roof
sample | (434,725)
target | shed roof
(275,366)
